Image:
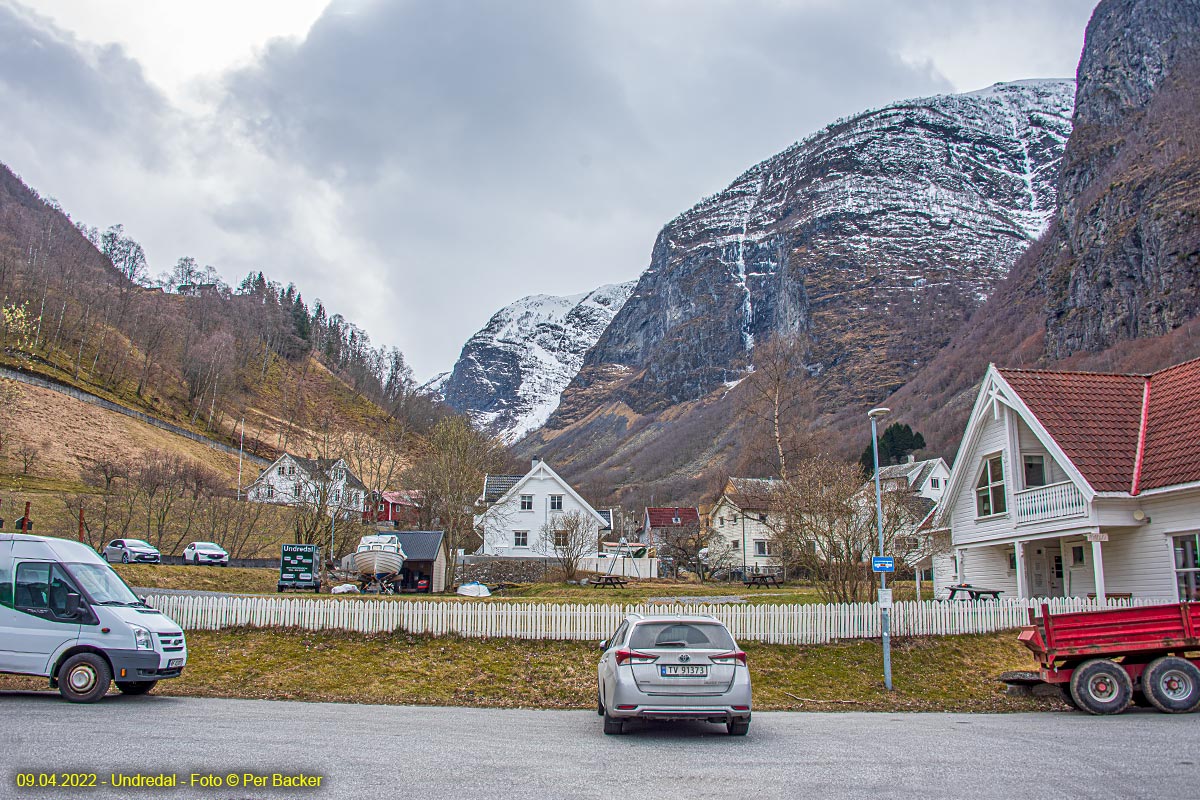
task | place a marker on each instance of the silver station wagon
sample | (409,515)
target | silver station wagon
(673,667)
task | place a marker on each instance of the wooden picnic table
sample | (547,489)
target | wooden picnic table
(762,580)
(613,581)
(975,592)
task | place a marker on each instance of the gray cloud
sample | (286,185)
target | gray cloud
(419,164)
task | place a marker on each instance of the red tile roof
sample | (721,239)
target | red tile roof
(1097,419)
(665,517)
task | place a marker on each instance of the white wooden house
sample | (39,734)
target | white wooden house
(293,480)
(1079,484)
(522,509)
(742,517)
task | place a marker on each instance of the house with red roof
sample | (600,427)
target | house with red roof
(659,520)
(1078,484)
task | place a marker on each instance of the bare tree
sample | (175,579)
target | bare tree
(778,396)
(449,469)
(695,548)
(30,454)
(568,537)
(823,522)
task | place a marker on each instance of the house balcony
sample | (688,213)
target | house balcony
(1053,502)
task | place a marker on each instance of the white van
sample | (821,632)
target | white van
(65,615)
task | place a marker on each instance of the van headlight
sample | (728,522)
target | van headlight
(141,638)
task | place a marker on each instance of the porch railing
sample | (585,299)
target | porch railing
(1056,501)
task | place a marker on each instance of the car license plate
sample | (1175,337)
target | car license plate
(175,662)
(683,671)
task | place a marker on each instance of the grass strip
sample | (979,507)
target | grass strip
(953,673)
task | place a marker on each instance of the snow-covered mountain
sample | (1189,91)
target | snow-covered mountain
(510,375)
(873,238)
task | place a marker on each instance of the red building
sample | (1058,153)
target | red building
(401,508)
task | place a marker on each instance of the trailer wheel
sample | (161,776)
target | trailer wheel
(1172,685)
(1101,686)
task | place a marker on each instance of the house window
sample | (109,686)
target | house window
(1077,556)
(336,496)
(562,539)
(381,508)
(1012,560)
(527,502)
(556,502)
(520,538)
(733,519)
(270,491)
(989,489)
(762,547)
(1187,566)
(762,517)
(935,483)
(721,522)
(1035,471)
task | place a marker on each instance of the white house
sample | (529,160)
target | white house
(293,480)
(742,517)
(924,478)
(522,509)
(1077,484)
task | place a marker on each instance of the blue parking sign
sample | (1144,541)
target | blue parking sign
(883,564)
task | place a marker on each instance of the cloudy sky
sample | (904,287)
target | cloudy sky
(417,165)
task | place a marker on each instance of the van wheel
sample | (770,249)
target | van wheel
(613,726)
(1172,685)
(84,678)
(136,687)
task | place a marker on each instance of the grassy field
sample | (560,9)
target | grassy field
(237,580)
(945,674)
(261,581)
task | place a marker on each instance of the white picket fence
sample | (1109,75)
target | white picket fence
(775,624)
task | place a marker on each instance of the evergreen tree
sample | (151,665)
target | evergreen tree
(896,442)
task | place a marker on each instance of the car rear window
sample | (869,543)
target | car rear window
(653,635)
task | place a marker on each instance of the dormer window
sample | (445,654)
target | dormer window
(989,489)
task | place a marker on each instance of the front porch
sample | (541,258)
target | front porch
(1117,562)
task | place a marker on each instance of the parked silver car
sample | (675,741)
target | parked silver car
(205,553)
(673,667)
(131,551)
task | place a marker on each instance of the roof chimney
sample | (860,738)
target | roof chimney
(536,460)
(912,459)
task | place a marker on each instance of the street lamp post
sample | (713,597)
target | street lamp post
(885,610)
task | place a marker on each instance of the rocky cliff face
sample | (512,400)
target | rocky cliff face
(510,374)
(1123,260)
(872,238)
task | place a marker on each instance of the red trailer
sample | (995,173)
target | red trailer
(1104,660)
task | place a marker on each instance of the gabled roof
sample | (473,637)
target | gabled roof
(542,468)
(495,486)
(419,545)
(665,517)
(1123,433)
(750,493)
(323,466)
(915,472)
(404,497)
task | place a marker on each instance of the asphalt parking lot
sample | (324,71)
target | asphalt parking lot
(368,751)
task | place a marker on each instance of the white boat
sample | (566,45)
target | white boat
(377,556)
(474,589)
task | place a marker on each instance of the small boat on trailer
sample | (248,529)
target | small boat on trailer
(378,561)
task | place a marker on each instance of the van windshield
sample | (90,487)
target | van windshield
(103,585)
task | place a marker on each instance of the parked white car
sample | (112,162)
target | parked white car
(673,667)
(205,553)
(65,615)
(131,551)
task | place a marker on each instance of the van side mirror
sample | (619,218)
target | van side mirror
(73,599)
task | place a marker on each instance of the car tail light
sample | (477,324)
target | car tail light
(634,657)
(729,658)
(741,708)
